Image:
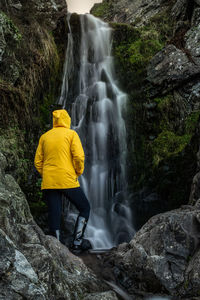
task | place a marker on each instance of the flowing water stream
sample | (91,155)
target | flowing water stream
(97,116)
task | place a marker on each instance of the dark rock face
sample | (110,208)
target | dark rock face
(163,256)
(47,12)
(35,266)
(19,18)
(140,12)
(176,71)
(33,36)
(170,68)
(130,11)
(157,60)
(195,188)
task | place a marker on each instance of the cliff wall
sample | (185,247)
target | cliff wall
(156,51)
(31,62)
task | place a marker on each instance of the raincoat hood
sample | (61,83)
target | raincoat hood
(59,156)
(61,118)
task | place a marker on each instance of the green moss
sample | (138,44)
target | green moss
(38,207)
(164,103)
(161,132)
(133,50)
(10,27)
(101,10)
(49,97)
(191,122)
(164,145)
(163,23)
(45,109)
(166,116)
(12,145)
(168,144)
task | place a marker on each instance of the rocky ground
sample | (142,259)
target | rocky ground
(163,257)
(35,266)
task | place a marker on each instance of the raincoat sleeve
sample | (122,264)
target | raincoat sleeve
(77,154)
(39,157)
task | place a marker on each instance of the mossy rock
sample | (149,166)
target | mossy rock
(163,149)
(133,55)
(12,144)
(168,144)
(102,10)
(11,31)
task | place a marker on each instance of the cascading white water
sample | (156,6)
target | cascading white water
(97,117)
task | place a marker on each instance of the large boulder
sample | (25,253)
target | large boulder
(47,12)
(175,66)
(163,256)
(169,68)
(192,38)
(35,266)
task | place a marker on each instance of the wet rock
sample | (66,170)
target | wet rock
(102,296)
(192,39)
(169,68)
(50,11)
(45,11)
(139,12)
(9,35)
(31,68)
(195,188)
(189,95)
(172,67)
(181,13)
(178,10)
(196,17)
(17,274)
(149,105)
(163,256)
(32,265)
(144,204)
(192,275)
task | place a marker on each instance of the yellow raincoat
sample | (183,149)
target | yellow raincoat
(59,156)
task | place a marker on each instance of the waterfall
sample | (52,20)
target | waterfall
(96,113)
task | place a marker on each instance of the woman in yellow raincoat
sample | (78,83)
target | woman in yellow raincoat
(59,159)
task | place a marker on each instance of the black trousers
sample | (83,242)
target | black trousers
(54,200)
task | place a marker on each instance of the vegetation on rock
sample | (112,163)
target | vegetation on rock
(161,129)
(100,10)
(32,56)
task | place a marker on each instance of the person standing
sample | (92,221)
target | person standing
(59,159)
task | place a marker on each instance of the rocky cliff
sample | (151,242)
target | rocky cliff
(156,48)
(35,266)
(31,63)
(140,12)
(163,257)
